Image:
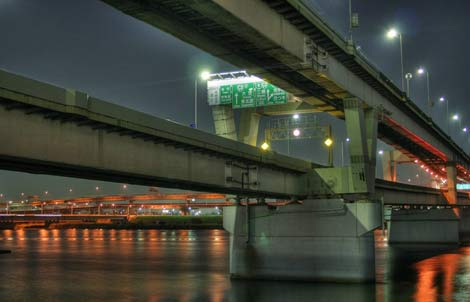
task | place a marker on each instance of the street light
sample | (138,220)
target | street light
(328,142)
(204,75)
(392,34)
(441,100)
(295,116)
(265,146)
(408,77)
(296,132)
(422,71)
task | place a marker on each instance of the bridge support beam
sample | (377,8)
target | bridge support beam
(361,126)
(464,225)
(249,126)
(390,161)
(451,195)
(439,226)
(462,213)
(224,121)
(325,240)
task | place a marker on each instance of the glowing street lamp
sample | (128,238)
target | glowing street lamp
(296,132)
(328,142)
(456,118)
(392,34)
(442,100)
(296,116)
(265,146)
(422,71)
(204,75)
(408,77)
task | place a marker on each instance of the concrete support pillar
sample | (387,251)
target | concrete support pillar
(325,240)
(361,126)
(370,117)
(424,226)
(389,166)
(451,195)
(224,121)
(249,126)
(464,225)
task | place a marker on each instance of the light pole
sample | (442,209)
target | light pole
(422,71)
(204,75)
(353,22)
(392,34)
(466,131)
(456,117)
(442,99)
(408,77)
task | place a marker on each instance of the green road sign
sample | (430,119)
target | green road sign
(246,93)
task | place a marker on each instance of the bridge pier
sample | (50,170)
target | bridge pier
(464,225)
(249,126)
(390,161)
(318,240)
(434,226)
(224,121)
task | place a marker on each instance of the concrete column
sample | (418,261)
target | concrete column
(464,225)
(451,195)
(370,117)
(224,122)
(362,131)
(249,126)
(325,240)
(389,166)
(423,226)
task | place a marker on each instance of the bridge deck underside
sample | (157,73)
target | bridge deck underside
(207,25)
(51,130)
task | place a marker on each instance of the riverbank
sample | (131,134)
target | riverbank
(140,222)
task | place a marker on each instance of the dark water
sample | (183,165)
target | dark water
(152,265)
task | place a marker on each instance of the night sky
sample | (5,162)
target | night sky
(88,46)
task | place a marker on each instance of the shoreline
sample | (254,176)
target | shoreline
(138,223)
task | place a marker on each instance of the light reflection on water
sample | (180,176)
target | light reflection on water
(189,265)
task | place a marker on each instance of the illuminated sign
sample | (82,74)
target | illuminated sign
(463,187)
(244,92)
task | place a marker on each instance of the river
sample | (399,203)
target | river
(190,265)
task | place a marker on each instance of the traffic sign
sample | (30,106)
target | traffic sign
(245,92)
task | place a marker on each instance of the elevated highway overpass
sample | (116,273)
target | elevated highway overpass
(51,130)
(286,43)
(63,132)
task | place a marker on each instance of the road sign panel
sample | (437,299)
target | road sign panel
(245,93)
